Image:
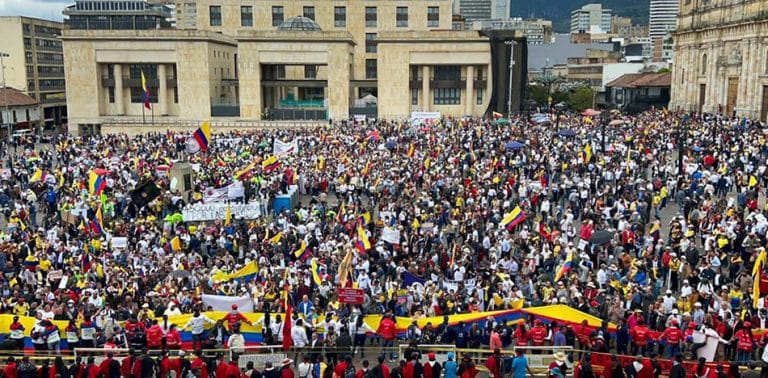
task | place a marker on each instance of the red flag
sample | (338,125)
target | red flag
(287,341)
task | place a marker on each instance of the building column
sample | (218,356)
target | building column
(425,88)
(470,105)
(162,89)
(119,102)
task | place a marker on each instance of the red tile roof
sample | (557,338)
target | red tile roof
(642,80)
(15,97)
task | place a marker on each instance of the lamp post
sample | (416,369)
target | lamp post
(5,95)
(680,143)
(511,67)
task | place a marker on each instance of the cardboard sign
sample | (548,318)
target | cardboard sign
(351,295)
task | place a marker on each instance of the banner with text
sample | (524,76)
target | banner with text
(210,211)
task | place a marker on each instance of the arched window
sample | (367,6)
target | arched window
(704,64)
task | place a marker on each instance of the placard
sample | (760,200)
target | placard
(210,211)
(260,359)
(351,295)
(120,242)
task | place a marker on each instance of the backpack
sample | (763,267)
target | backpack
(349,372)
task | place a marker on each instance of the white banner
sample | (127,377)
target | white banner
(224,302)
(201,212)
(282,148)
(424,118)
(391,235)
(223,194)
(120,242)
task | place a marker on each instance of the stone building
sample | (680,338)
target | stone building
(289,60)
(721,58)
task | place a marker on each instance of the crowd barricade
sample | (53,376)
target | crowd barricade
(601,364)
(440,350)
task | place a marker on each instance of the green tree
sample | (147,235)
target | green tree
(539,94)
(581,98)
(664,70)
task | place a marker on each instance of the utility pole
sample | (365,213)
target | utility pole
(511,72)
(5,95)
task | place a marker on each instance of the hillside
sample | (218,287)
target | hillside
(559,11)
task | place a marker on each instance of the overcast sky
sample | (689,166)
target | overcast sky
(46,9)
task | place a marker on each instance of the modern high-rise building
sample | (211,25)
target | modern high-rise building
(35,64)
(663,18)
(482,10)
(117,15)
(591,18)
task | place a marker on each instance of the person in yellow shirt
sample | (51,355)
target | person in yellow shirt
(21,308)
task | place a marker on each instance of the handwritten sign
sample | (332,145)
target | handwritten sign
(211,211)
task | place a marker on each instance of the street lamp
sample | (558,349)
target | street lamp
(559,107)
(511,66)
(680,141)
(5,94)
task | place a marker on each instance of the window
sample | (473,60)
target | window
(111,95)
(414,96)
(370,69)
(277,15)
(340,17)
(215,14)
(402,17)
(479,96)
(309,12)
(370,17)
(281,71)
(447,73)
(310,71)
(370,42)
(433,17)
(150,73)
(246,16)
(447,96)
(704,64)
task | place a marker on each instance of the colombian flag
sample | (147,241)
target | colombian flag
(276,239)
(176,244)
(342,210)
(228,216)
(270,164)
(757,269)
(244,274)
(515,217)
(316,272)
(37,176)
(588,153)
(98,223)
(146,93)
(203,136)
(411,150)
(362,244)
(96,183)
(303,252)
(565,267)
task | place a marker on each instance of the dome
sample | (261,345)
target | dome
(299,23)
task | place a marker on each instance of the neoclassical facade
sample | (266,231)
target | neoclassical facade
(721,58)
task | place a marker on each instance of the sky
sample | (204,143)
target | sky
(46,9)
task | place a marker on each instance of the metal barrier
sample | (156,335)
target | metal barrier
(259,355)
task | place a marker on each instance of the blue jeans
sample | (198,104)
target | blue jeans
(389,344)
(673,350)
(743,356)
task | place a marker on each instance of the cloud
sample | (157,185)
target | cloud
(45,9)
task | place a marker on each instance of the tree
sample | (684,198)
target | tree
(539,94)
(664,70)
(581,98)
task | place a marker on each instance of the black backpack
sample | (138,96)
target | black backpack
(350,371)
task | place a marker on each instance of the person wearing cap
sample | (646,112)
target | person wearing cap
(745,342)
(672,337)
(196,324)
(234,316)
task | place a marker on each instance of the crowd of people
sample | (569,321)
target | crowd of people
(592,212)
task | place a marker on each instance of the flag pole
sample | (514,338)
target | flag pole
(143,116)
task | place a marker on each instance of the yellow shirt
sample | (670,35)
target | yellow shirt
(44,265)
(21,309)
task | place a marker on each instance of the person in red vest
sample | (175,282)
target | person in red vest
(221,367)
(233,317)
(92,370)
(387,331)
(639,335)
(17,333)
(165,365)
(110,368)
(199,366)
(155,336)
(467,368)
(673,336)
(137,367)
(125,366)
(582,335)
(432,368)
(493,363)
(538,333)
(521,335)
(10,370)
(745,343)
(173,338)
(628,239)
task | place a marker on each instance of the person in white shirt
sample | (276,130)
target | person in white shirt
(197,324)
(299,334)
(236,341)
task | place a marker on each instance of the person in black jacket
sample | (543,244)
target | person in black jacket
(585,368)
(678,371)
(26,369)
